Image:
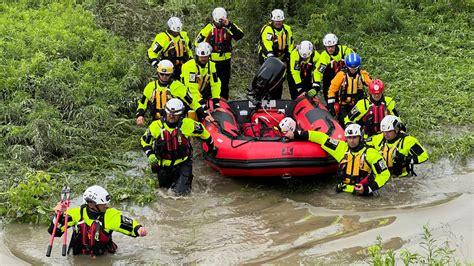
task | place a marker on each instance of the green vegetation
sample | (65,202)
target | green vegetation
(434,253)
(71,73)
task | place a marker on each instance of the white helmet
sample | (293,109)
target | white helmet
(174,107)
(330,39)
(305,49)
(219,14)
(203,49)
(278,15)
(96,194)
(353,130)
(389,123)
(287,124)
(174,23)
(165,67)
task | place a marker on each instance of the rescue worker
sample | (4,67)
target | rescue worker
(167,145)
(276,40)
(399,150)
(93,216)
(200,77)
(158,92)
(347,88)
(330,62)
(362,169)
(219,34)
(302,64)
(172,44)
(370,111)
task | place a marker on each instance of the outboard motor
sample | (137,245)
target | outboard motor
(269,76)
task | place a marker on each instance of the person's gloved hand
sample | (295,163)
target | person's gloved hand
(152,159)
(154,63)
(331,110)
(212,151)
(402,159)
(312,92)
(340,187)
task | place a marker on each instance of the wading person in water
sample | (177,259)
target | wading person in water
(94,216)
(167,145)
(362,169)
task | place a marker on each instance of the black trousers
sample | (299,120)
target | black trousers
(178,177)
(223,69)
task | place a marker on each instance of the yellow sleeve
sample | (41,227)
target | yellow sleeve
(335,148)
(188,44)
(294,68)
(152,132)
(179,90)
(192,128)
(157,46)
(266,38)
(189,73)
(143,102)
(391,104)
(203,34)
(291,42)
(412,147)
(215,82)
(375,141)
(336,85)
(321,65)
(357,112)
(379,169)
(114,220)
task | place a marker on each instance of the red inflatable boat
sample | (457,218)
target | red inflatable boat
(247,143)
(261,154)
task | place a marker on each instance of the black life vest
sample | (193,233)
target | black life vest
(91,239)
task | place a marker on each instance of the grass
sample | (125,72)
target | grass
(71,73)
(435,253)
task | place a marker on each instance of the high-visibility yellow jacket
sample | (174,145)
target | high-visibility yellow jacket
(158,94)
(202,82)
(278,42)
(406,147)
(177,49)
(331,61)
(220,38)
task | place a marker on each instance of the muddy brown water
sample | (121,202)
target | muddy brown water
(241,221)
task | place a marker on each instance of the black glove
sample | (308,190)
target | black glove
(331,110)
(213,151)
(402,159)
(155,168)
(216,103)
(340,187)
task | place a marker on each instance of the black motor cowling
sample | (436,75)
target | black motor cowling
(269,76)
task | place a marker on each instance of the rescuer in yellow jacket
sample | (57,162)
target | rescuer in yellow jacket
(95,218)
(370,111)
(219,34)
(362,169)
(276,40)
(330,62)
(158,92)
(167,145)
(347,88)
(200,77)
(302,65)
(172,44)
(399,150)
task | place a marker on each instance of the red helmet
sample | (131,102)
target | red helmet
(376,86)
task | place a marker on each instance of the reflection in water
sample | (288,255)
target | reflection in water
(232,221)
